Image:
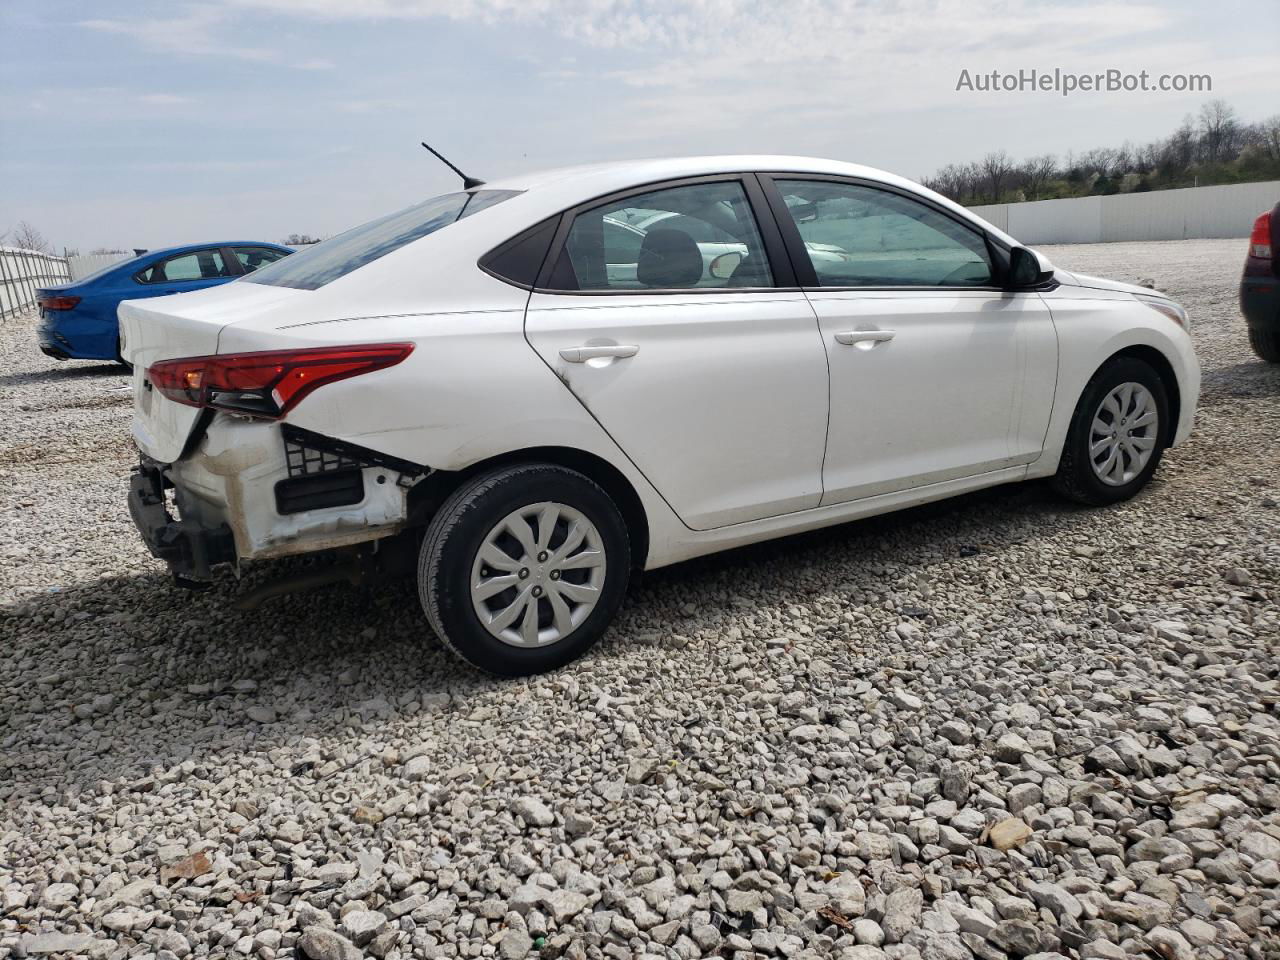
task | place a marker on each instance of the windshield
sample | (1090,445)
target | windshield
(315,266)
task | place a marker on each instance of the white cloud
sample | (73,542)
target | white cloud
(193,33)
(707,64)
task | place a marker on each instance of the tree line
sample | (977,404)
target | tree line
(1212,147)
(27,237)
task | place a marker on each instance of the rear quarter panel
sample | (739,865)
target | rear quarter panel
(472,389)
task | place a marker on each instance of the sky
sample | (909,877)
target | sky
(133,123)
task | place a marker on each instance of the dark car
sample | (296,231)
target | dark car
(1260,286)
(78,319)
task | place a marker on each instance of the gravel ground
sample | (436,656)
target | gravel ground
(996,727)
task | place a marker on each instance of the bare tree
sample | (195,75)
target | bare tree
(996,168)
(1037,172)
(949,181)
(1180,149)
(29,238)
(1219,130)
(1125,157)
(1269,136)
(1147,158)
(1100,161)
(300,239)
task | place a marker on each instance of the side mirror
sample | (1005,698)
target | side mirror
(1026,270)
(722,267)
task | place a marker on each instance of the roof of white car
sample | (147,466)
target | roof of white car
(566,186)
(628,172)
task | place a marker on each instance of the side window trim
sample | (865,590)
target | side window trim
(786,270)
(485,262)
(231,259)
(808,277)
(775,250)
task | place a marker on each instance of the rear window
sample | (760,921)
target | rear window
(315,266)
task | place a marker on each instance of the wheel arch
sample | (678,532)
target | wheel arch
(426,497)
(1164,369)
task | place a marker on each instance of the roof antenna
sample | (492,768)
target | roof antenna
(468,183)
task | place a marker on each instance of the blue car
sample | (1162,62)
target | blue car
(78,320)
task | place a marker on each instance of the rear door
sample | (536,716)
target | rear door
(936,372)
(699,357)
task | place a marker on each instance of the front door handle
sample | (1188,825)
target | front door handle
(849,337)
(593,351)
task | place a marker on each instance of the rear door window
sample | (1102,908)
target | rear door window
(197,265)
(330,259)
(699,235)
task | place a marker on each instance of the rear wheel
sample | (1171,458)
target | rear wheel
(1265,343)
(523,568)
(1117,435)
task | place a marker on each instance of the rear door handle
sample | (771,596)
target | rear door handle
(849,337)
(592,351)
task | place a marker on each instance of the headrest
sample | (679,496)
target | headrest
(669,258)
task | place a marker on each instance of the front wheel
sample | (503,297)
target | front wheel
(523,568)
(1117,435)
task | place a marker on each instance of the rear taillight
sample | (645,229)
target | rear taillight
(269,383)
(58,303)
(1260,239)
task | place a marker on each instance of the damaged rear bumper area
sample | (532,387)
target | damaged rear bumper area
(253,490)
(190,549)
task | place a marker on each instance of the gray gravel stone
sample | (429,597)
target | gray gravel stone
(320,944)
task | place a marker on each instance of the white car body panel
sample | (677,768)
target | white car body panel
(964,387)
(696,408)
(1094,325)
(719,424)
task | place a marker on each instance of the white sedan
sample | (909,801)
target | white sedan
(532,403)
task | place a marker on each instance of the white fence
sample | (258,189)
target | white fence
(22,273)
(1196,212)
(82,266)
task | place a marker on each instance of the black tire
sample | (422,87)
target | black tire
(1265,343)
(457,532)
(121,360)
(1075,478)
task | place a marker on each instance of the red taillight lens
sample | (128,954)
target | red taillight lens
(269,383)
(58,303)
(1260,239)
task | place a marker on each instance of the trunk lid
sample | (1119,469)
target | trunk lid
(182,325)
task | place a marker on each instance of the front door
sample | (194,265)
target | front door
(936,373)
